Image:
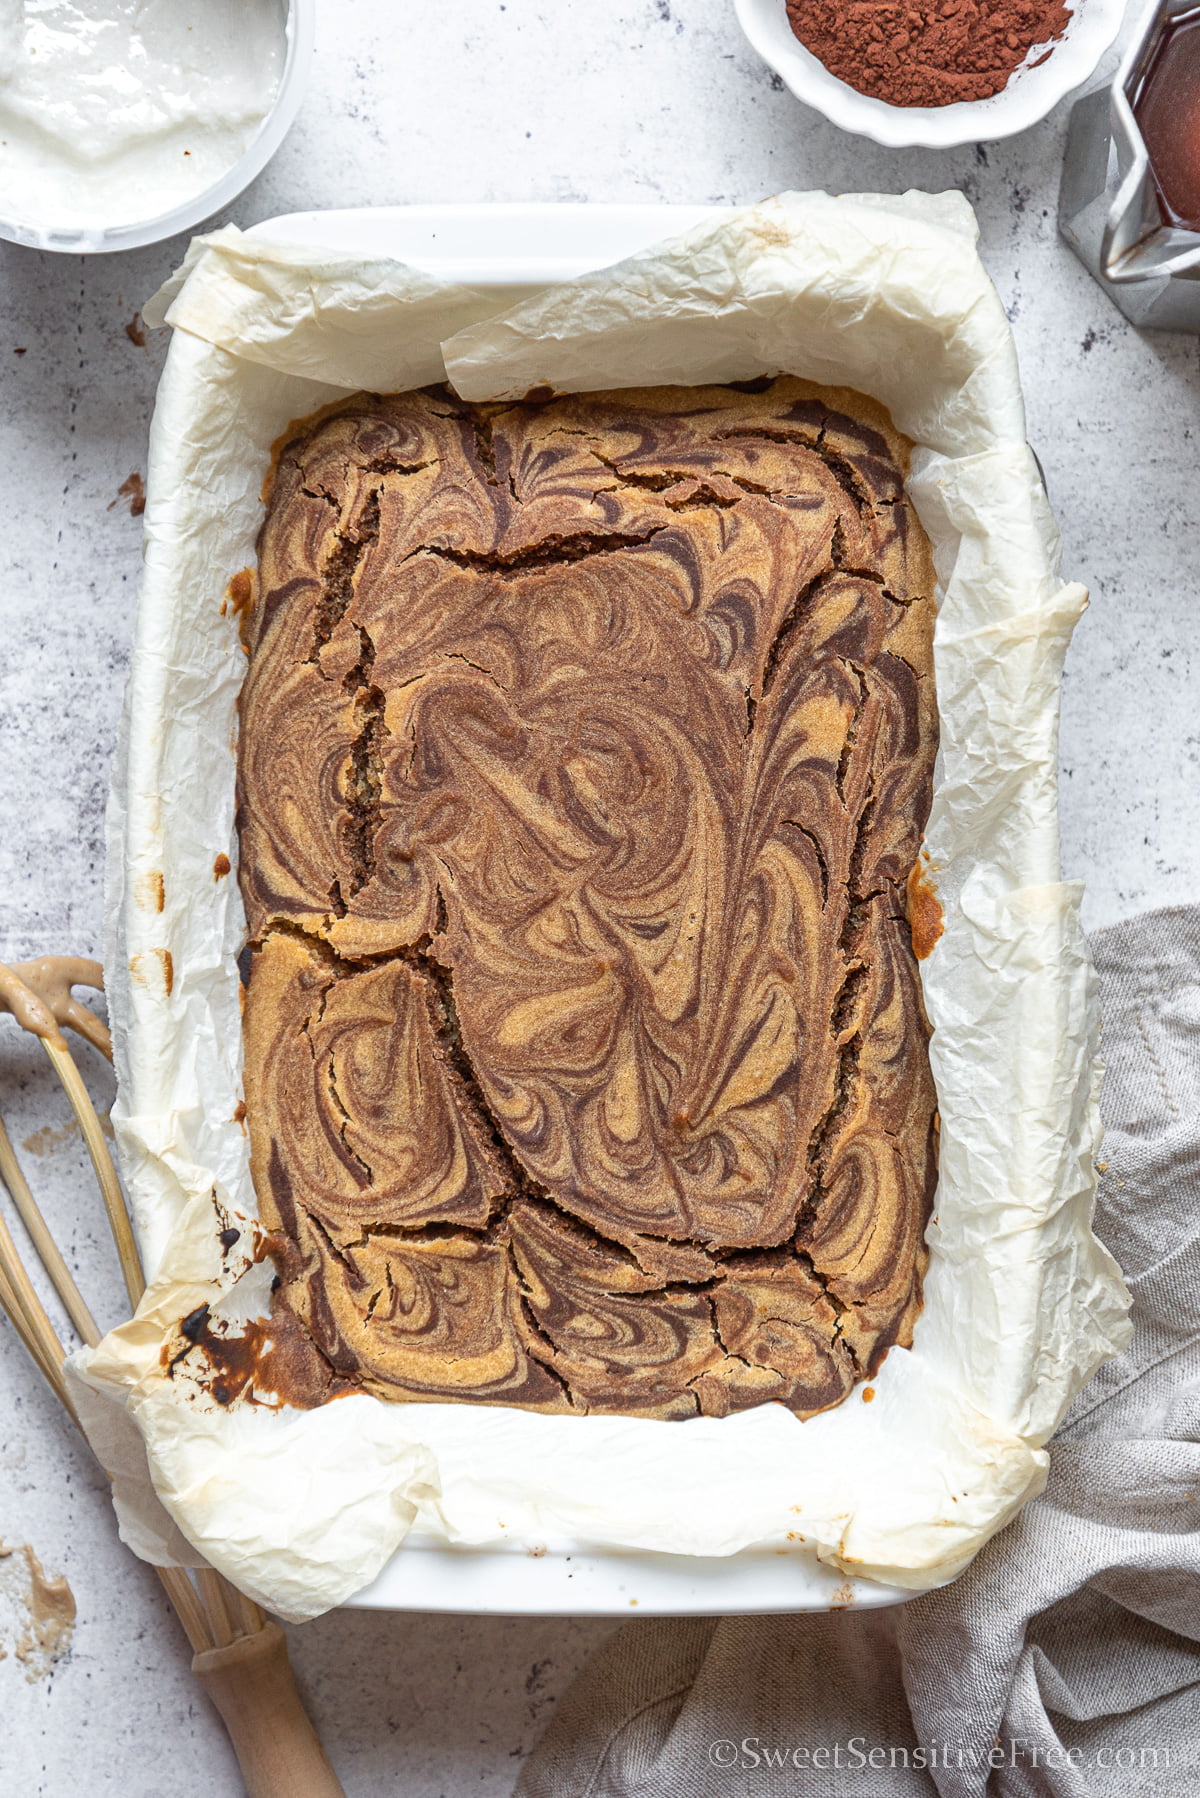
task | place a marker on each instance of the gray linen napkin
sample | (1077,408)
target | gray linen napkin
(1065,1662)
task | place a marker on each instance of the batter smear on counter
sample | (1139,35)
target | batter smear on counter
(586,748)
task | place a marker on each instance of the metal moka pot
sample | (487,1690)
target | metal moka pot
(1108,208)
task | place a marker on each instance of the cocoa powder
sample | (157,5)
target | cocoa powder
(926,52)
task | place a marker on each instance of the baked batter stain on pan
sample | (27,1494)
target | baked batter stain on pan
(239,593)
(269,1361)
(586,748)
(923,908)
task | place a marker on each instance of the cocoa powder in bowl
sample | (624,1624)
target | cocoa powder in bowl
(926,52)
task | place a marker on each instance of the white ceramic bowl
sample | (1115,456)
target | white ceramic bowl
(1029,96)
(300,31)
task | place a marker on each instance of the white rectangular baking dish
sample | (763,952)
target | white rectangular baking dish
(499,248)
(513,250)
(300,1508)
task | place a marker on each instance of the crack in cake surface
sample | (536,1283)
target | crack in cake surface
(591,807)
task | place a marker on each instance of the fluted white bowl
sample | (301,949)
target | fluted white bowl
(1030,94)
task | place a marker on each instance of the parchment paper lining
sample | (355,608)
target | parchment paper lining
(301,1509)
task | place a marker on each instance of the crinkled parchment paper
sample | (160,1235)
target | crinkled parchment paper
(301,1509)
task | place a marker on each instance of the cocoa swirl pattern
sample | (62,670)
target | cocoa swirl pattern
(585,753)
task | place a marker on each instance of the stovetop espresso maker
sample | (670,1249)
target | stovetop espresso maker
(1113,209)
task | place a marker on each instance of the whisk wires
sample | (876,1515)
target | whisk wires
(39,996)
(238,1656)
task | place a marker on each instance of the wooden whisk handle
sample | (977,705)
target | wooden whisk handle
(250,1682)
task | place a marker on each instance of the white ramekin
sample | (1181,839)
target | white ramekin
(88,240)
(1029,96)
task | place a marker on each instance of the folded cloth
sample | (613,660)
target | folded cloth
(1065,1662)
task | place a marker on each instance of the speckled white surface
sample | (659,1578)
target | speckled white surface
(635,100)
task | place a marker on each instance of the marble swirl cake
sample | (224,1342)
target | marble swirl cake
(586,747)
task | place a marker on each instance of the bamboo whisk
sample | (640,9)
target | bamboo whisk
(239,1658)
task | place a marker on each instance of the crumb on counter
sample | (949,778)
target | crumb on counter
(134,490)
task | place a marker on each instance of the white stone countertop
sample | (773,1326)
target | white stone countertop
(442,100)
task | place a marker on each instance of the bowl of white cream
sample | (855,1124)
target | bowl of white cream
(126,121)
